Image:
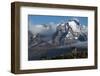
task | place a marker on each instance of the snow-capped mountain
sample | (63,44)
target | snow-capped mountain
(75,29)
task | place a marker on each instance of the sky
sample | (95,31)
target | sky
(46,19)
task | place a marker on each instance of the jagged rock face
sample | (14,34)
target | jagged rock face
(60,34)
(30,38)
(74,26)
(42,37)
(82,37)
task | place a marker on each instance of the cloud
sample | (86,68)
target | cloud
(49,28)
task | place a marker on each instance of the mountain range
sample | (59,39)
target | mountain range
(42,34)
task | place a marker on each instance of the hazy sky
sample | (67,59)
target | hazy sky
(45,19)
